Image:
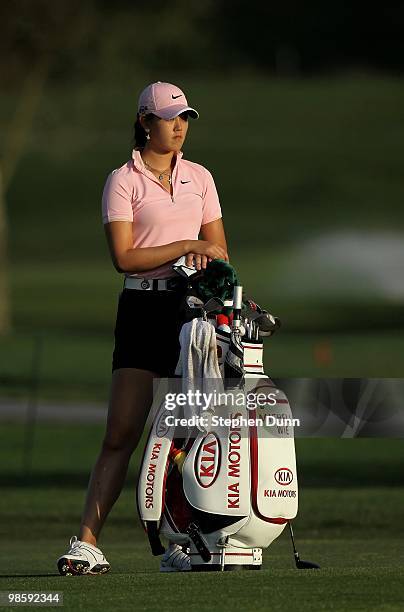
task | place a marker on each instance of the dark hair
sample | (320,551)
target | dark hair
(139,134)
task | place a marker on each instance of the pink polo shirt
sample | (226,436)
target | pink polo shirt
(133,193)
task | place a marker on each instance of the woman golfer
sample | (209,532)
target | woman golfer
(154,209)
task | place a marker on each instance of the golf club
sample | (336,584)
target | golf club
(194,302)
(213,304)
(300,564)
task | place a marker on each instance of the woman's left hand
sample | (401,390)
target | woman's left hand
(200,261)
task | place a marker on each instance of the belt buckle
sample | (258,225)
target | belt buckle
(145,284)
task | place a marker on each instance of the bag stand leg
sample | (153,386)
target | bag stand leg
(155,543)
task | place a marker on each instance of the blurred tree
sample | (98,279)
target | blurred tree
(4,290)
(312,35)
(198,35)
(42,31)
(13,149)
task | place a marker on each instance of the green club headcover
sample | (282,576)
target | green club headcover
(218,280)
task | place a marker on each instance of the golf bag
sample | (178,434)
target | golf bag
(224,489)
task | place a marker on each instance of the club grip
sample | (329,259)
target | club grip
(237,297)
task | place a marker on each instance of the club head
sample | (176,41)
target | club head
(300,564)
(213,304)
(194,302)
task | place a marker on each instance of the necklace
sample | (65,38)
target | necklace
(161,173)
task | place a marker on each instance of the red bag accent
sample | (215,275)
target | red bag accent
(222,319)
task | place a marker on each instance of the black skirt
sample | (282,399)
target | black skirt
(147,330)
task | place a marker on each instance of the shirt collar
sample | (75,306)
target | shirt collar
(138,161)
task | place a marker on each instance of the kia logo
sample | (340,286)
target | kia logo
(161,425)
(207,461)
(284,476)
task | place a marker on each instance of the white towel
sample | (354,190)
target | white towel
(198,364)
(180,267)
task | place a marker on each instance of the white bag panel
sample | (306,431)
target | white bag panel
(274,475)
(168,532)
(253,353)
(275,492)
(256,532)
(150,490)
(216,472)
(231,529)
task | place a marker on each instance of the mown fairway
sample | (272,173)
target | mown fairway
(350,522)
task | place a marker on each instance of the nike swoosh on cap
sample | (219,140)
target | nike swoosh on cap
(175,97)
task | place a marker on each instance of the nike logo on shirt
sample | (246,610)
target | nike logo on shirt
(184,182)
(175,97)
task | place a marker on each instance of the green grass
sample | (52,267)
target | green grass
(68,450)
(361,561)
(74,367)
(355,535)
(356,575)
(77,367)
(350,522)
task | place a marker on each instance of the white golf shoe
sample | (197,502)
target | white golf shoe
(175,560)
(82,558)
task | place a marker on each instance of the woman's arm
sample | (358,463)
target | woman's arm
(127,259)
(212,232)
